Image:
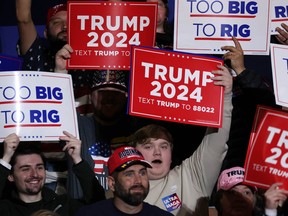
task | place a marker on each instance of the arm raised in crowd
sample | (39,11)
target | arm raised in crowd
(244,77)
(10,144)
(26,27)
(92,189)
(61,58)
(235,56)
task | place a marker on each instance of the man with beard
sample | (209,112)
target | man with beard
(39,53)
(23,164)
(128,180)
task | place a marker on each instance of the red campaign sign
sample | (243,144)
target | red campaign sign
(101,33)
(174,86)
(267,155)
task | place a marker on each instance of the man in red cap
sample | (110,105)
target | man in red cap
(129,182)
(39,54)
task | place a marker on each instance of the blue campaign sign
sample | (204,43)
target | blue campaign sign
(9,63)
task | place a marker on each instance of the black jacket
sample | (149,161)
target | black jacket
(11,205)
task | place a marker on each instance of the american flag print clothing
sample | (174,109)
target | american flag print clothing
(100,153)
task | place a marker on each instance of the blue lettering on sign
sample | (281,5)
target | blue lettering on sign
(203,6)
(235,30)
(42,116)
(16,116)
(286,59)
(48,93)
(236,7)
(15,93)
(281,11)
(216,7)
(208,29)
(191,5)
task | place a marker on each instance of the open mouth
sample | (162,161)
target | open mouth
(34,181)
(137,189)
(156,162)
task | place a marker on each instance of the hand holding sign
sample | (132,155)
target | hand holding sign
(223,78)
(61,58)
(282,37)
(73,146)
(275,196)
(11,143)
(235,56)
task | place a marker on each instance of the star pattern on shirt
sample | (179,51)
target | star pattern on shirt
(100,149)
(100,152)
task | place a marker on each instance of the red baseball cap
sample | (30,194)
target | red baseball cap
(54,10)
(124,157)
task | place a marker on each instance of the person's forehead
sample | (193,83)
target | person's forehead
(110,90)
(241,187)
(135,168)
(28,159)
(157,141)
(60,14)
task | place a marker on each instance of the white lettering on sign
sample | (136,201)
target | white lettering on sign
(173,75)
(278,172)
(176,75)
(108,39)
(259,168)
(277,156)
(283,136)
(113,24)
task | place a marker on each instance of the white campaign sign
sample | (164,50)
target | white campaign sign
(202,26)
(279,61)
(37,106)
(279,14)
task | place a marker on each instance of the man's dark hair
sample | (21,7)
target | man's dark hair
(26,148)
(144,134)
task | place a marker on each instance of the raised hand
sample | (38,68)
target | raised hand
(11,143)
(61,58)
(282,37)
(73,146)
(275,196)
(235,55)
(223,78)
